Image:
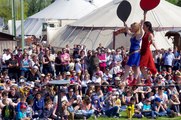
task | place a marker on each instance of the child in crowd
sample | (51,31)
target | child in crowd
(96,106)
(47,111)
(158,108)
(131,110)
(147,110)
(21,115)
(7,111)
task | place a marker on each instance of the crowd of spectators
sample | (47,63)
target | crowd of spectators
(95,87)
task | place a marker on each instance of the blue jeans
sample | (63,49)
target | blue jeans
(87,113)
(160,114)
(64,68)
(47,70)
(175,108)
(149,114)
(112,111)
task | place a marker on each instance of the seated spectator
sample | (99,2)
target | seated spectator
(86,108)
(97,78)
(175,104)
(33,74)
(14,94)
(47,112)
(84,83)
(38,104)
(99,92)
(7,111)
(109,109)
(97,107)
(147,110)
(5,96)
(21,115)
(158,108)
(131,111)
(127,96)
(29,110)
(22,101)
(116,100)
(172,90)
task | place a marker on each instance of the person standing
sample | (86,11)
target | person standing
(168,58)
(146,61)
(134,52)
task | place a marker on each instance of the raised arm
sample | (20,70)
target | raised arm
(142,23)
(127,29)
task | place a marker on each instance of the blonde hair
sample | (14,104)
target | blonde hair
(136,26)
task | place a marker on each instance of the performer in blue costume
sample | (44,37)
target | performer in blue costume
(134,52)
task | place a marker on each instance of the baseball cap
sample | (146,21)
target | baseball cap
(21,80)
(158,99)
(67,73)
(23,106)
(35,67)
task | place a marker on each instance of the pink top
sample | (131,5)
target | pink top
(65,58)
(102,57)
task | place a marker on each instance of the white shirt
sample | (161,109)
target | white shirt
(84,83)
(168,58)
(6,57)
(115,70)
(164,98)
(55,100)
(71,66)
(96,80)
(78,67)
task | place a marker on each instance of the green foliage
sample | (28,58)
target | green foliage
(175,2)
(179,3)
(30,7)
(37,5)
(5,9)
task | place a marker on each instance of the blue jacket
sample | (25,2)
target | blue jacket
(38,105)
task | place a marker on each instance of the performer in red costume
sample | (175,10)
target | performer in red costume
(146,61)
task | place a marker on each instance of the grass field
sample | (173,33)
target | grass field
(123,117)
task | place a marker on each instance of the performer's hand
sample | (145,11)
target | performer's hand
(124,23)
(145,12)
(142,22)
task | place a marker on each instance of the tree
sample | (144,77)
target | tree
(30,7)
(173,1)
(179,3)
(37,5)
(5,9)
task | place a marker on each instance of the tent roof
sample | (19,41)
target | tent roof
(60,9)
(32,27)
(69,9)
(98,26)
(165,15)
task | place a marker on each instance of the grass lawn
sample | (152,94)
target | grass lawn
(123,117)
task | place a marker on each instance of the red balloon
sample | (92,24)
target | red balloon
(147,5)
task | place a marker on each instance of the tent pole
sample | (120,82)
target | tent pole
(13,18)
(114,39)
(22,25)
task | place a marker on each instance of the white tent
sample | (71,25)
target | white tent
(67,11)
(98,26)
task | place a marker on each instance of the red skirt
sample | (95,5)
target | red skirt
(147,61)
